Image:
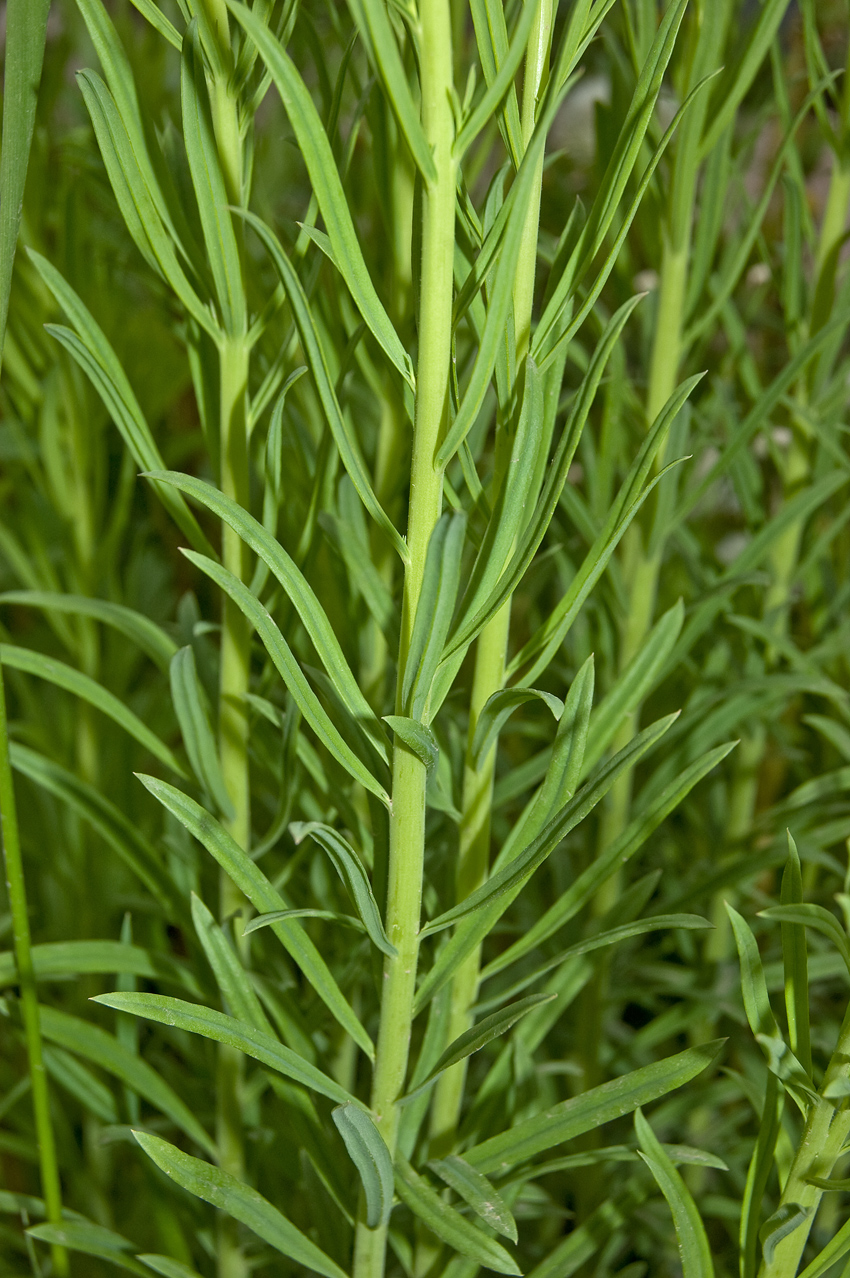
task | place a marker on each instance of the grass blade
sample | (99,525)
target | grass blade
(690,1231)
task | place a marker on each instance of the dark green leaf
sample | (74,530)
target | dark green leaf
(371,1157)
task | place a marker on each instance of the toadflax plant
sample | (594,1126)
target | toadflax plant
(425,461)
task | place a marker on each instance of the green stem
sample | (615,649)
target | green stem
(491,649)
(49,1168)
(824,1136)
(407,817)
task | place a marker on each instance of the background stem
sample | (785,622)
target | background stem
(48,1165)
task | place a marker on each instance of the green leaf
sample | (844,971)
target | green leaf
(118,831)
(608,862)
(694,1250)
(105,1051)
(758,1174)
(447,1224)
(82,958)
(26,31)
(135,626)
(370,1156)
(143,211)
(298,589)
(324,179)
(574,1117)
(89,347)
(164,1264)
(80,685)
(795,962)
(231,977)
(90,1240)
(276,916)
(345,440)
(634,683)
(477,1191)
(479,1035)
(349,867)
(281,654)
(498,709)
(835,1250)
(787,1218)
(417,737)
(148,9)
(498,84)
(208,182)
(251,881)
(816,917)
(513,875)
(240,1202)
(780,1059)
(397,89)
(434,610)
(193,715)
(206,1021)
(734,85)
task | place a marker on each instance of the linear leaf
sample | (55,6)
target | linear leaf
(417,737)
(251,881)
(690,1231)
(164,1264)
(397,89)
(194,1018)
(289,670)
(193,714)
(146,634)
(104,1050)
(89,1240)
(231,977)
(80,685)
(758,1174)
(787,1218)
(518,871)
(434,610)
(477,1191)
(447,1223)
(26,31)
(816,917)
(318,156)
(349,449)
(89,347)
(208,182)
(498,86)
(612,859)
(350,869)
(330,916)
(574,1117)
(239,1201)
(370,1156)
(79,958)
(499,708)
(298,589)
(148,9)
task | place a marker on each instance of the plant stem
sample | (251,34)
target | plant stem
(491,649)
(15,884)
(824,1136)
(407,817)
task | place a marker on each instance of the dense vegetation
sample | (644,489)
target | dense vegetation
(425,627)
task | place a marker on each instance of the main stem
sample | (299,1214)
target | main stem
(491,650)
(49,1168)
(407,816)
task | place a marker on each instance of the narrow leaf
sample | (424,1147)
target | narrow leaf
(417,737)
(239,1201)
(193,715)
(476,1190)
(350,869)
(370,1156)
(447,1223)
(694,1250)
(498,709)
(135,626)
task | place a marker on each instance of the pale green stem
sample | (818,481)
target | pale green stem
(407,817)
(824,1136)
(16,887)
(491,649)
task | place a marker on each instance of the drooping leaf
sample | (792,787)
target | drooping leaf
(499,708)
(239,1201)
(350,869)
(417,737)
(371,1157)
(135,626)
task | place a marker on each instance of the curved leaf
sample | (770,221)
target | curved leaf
(499,708)
(146,634)
(476,1190)
(690,1231)
(371,1157)
(350,869)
